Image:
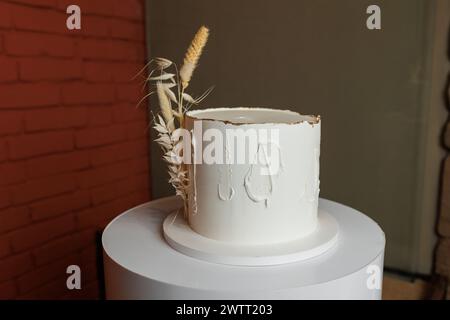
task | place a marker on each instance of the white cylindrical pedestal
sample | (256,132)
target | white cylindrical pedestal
(139,264)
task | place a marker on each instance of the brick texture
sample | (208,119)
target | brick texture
(73,147)
(443,257)
(442,251)
(444,219)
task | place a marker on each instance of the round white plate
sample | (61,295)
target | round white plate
(183,239)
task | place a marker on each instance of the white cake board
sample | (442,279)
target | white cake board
(140,264)
(182,238)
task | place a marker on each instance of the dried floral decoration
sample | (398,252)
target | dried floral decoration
(193,55)
(171,118)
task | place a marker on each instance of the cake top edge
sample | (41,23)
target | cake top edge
(252,115)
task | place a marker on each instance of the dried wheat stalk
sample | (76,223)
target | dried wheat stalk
(173,118)
(178,175)
(193,55)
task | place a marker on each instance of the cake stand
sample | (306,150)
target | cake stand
(181,237)
(140,264)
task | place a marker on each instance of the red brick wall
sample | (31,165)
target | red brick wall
(73,149)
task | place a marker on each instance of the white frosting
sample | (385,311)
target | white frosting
(225,185)
(235,203)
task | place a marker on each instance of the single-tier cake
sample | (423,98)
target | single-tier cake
(254,179)
(248,177)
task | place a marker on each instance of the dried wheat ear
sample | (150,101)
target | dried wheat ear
(174,102)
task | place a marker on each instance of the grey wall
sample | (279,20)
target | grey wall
(317,57)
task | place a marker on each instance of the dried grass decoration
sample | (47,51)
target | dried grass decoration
(174,102)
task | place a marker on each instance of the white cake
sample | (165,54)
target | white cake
(236,202)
